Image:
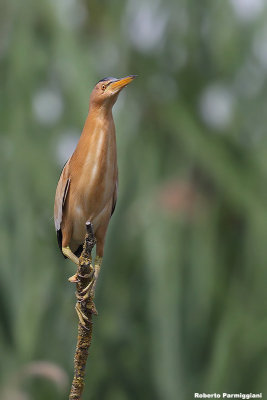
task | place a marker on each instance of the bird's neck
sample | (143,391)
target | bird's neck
(97,145)
(99,112)
(99,120)
(98,128)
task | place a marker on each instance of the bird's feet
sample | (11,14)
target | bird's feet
(85,295)
(89,290)
(83,318)
(73,278)
(85,303)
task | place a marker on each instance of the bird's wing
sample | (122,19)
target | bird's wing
(61,195)
(114,200)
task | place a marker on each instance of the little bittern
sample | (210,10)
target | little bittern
(87,188)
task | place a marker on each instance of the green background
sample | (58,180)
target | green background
(182,294)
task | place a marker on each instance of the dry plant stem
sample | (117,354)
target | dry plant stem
(87,308)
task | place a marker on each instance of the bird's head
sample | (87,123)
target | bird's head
(106,91)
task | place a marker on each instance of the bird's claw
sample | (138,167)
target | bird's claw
(73,278)
(87,289)
(77,277)
(92,308)
(83,319)
(86,295)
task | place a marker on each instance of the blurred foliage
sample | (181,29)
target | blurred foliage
(182,294)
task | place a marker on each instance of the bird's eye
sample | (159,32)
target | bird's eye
(103,87)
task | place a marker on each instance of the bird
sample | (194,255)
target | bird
(87,188)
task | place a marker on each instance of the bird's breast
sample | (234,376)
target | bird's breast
(94,173)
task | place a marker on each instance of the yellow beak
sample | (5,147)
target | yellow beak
(121,83)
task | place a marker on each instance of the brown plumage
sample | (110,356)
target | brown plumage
(87,188)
